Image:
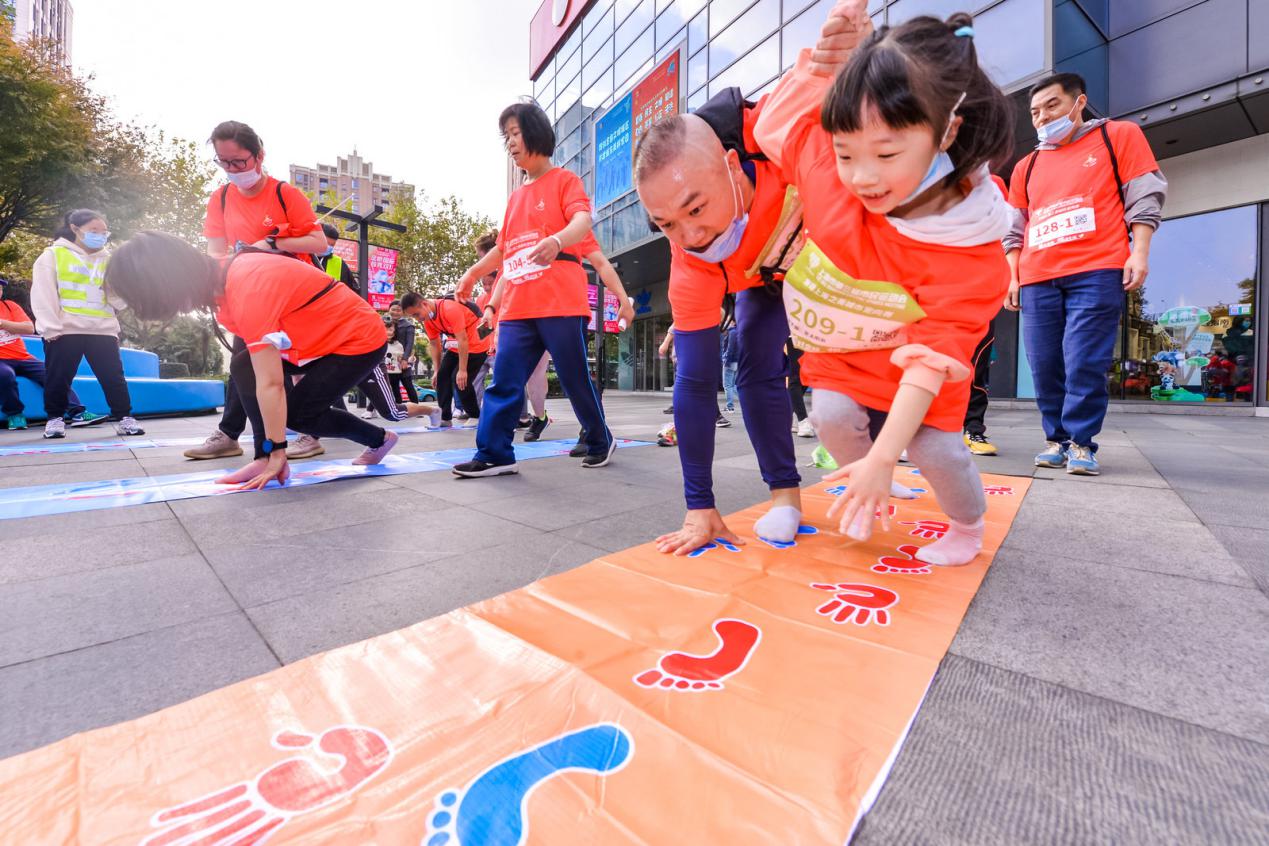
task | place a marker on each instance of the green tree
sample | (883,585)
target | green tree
(436,247)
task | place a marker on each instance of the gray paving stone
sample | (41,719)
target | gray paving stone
(82,523)
(1188,649)
(999,758)
(1071,492)
(588,500)
(1250,548)
(54,697)
(304,625)
(65,613)
(1138,541)
(32,557)
(1247,508)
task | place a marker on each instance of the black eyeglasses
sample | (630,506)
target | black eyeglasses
(233,165)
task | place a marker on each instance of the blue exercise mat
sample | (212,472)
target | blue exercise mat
(63,448)
(68,497)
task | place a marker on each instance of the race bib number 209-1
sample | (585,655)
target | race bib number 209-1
(831,311)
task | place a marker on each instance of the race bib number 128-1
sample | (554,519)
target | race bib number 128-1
(1066,220)
(831,311)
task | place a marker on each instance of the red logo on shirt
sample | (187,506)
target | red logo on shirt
(268,220)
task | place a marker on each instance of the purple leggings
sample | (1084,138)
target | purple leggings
(764,397)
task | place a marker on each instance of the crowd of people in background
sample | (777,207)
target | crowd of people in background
(889,139)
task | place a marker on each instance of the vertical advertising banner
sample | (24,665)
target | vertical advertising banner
(614,153)
(383,270)
(617,133)
(612,307)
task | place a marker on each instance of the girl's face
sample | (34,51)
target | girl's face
(96,229)
(389,329)
(882,165)
(234,158)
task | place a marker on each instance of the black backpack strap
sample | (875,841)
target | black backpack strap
(281,202)
(1026,180)
(223,193)
(1114,168)
(725,114)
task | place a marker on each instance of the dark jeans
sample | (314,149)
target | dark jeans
(520,347)
(61,360)
(764,402)
(1070,326)
(233,420)
(797,391)
(30,368)
(308,404)
(976,413)
(446,388)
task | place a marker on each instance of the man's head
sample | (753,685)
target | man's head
(395,310)
(416,305)
(1061,95)
(690,186)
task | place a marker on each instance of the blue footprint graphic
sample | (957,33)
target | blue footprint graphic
(775,544)
(493,809)
(714,544)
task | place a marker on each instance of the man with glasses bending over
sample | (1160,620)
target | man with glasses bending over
(1087,187)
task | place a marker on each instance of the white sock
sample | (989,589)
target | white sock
(779,524)
(898,491)
(959,546)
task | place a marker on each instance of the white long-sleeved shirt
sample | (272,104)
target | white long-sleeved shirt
(50,321)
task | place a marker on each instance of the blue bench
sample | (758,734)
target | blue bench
(150,394)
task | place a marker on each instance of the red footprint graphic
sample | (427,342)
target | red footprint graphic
(686,672)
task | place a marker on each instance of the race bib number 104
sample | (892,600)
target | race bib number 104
(831,311)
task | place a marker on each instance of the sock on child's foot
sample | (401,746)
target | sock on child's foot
(898,491)
(959,546)
(779,524)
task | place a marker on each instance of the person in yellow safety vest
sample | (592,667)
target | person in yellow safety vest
(335,267)
(75,314)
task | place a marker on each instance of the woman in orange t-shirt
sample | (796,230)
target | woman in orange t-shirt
(294,320)
(540,300)
(903,263)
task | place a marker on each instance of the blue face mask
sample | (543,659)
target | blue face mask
(942,165)
(94,240)
(329,250)
(1056,131)
(726,244)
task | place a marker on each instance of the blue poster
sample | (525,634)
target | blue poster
(613,153)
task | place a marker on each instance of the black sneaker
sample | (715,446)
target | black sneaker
(524,422)
(669,410)
(579,449)
(601,460)
(722,422)
(476,469)
(536,428)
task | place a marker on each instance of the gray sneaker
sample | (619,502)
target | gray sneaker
(128,428)
(305,446)
(55,428)
(219,445)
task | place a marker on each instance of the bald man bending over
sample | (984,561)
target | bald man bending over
(733,227)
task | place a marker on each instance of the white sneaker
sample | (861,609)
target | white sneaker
(55,428)
(127,427)
(434,419)
(368,414)
(805,429)
(795,425)
(305,446)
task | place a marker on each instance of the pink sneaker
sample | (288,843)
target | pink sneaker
(374,456)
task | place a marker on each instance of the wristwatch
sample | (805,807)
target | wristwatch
(272,241)
(269,447)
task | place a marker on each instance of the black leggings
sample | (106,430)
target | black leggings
(445,386)
(61,360)
(796,389)
(308,404)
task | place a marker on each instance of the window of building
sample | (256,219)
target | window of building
(675,16)
(569,94)
(698,33)
(639,54)
(597,33)
(723,12)
(752,72)
(599,92)
(634,25)
(803,31)
(569,68)
(698,70)
(1010,39)
(750,28)
(597,64)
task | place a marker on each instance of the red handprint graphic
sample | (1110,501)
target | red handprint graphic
(905,566)
(892,509)
(929,529)
(248,813)
(998,490)
(858,603)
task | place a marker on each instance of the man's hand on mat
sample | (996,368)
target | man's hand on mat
(867,495)
(700,527)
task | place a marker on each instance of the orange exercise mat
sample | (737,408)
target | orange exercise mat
(753,694)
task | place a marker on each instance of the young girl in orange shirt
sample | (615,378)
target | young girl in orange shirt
(903,268)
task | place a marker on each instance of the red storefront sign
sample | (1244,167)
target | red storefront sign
(551,25)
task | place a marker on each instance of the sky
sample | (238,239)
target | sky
(415,86)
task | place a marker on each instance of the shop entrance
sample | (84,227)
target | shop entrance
(652,373)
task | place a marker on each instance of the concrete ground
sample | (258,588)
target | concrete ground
(1110,683)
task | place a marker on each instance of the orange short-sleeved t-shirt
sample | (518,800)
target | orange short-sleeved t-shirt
(541,208)
(12,346)
(1075,215)
(251,219)
(266,294)
(959,288)
(451,318)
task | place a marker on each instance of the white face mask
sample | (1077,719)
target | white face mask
(246,180)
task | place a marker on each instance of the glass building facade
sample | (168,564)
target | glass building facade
(1200,317)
